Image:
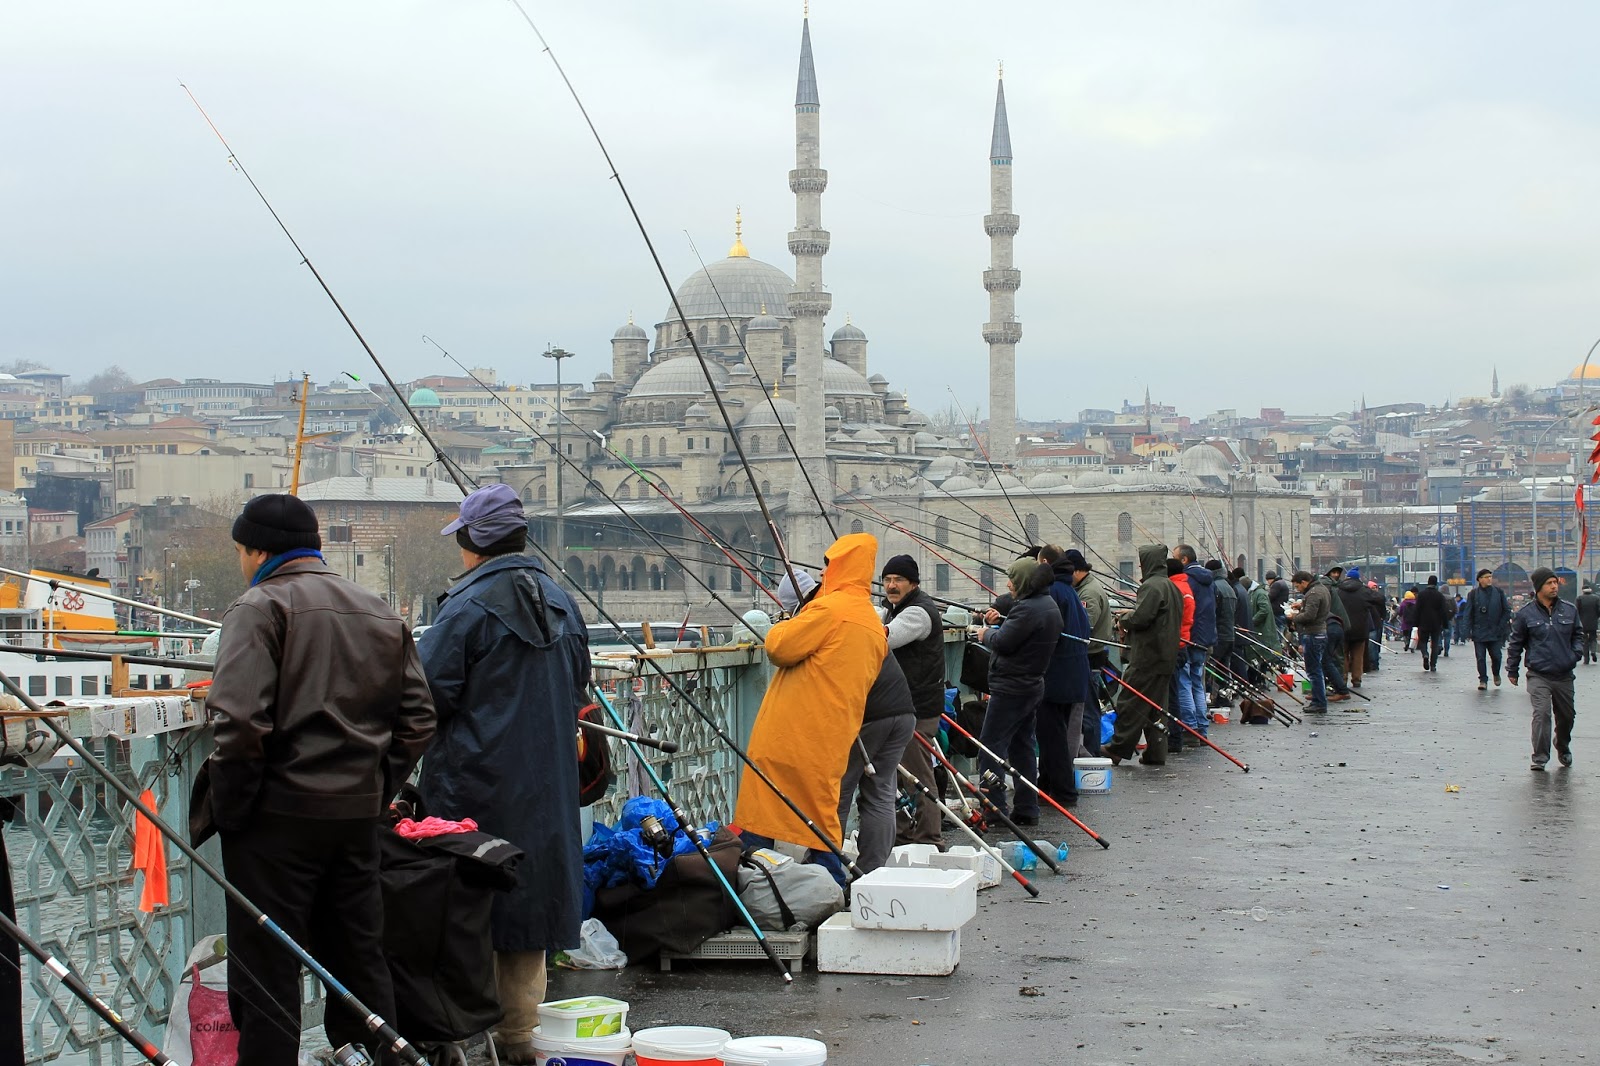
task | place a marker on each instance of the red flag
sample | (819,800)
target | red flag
(1583,522)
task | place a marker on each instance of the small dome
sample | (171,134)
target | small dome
(869,436)
(680,376)
(1094,479)
(831,412)
(630,332)
(764,321)
(761,413)
(877,379)
(697,410)
(424,397)
(603,376)
(1048,480)
(1203,460)
(848,332)
(925,438)
(1006,481)
(958,483)
(741,371)
(912,417)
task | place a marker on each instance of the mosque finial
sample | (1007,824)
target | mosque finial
(738,251)
(805,9)
(1002,73)
(847,318)
(630,318)
(763,307)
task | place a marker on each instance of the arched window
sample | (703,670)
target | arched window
(655,578)
(1125,527)
(788,337)
(986,537)
(766,487)
(627,447)
(755,444)
(941,530)
(1030,526)
(594,579)
(662,447)
(711,575)
(705,335)
(637,566)
(1079,526)
(574,569)
(855,486)
(856,526)
(527,493)
(986,577)
(722,334)
(542,494)
(735,580)
(645,447)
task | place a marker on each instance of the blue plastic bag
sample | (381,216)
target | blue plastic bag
(1108,726)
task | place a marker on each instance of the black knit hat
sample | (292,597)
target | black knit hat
(1079,563)
(903,566)
(277,523)
(1540,576)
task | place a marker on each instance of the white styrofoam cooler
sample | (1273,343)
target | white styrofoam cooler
(1093,776)
(842,948)
(912,854)
(984,863)
(914,898)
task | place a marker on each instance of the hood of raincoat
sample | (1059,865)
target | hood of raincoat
(852,562)
(1152,561)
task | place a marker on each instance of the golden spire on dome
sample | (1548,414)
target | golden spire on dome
(738,251)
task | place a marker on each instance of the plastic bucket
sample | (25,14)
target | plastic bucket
(774,1051)
(597,1051)
(584,1018)
(680,1045)
(1092,776)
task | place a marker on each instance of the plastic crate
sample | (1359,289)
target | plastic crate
(740,945)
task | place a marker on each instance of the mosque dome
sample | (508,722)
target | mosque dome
(680,376)
(743,284)
(840,380)
(1094,479)
(1202,460)
(424,397)
(869,436)
(630,332)
(764,321)
(848,332)
(761,413)
(697,410)
(925,439)
(958,483)
(1047,480)
(1585,373)
(1006,481)
(603,376)
(831,412)
(741,370)
(912,417)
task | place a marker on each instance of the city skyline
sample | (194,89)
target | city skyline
(1209,198)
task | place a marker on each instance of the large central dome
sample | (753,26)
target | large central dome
(746,286)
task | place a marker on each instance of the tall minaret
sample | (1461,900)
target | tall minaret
(807,530)
(1002,332)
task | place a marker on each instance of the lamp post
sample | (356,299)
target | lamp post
(558,354)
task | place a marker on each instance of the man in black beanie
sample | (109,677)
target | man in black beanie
(916,640)
(320,710)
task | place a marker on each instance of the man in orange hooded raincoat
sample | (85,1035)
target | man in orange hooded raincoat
(827,657)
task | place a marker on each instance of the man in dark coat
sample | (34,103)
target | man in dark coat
(1102,630)
(320,709)
(916,638)
(1021,649)
(1547,631)
(1358,601)
(1488,624)
(1589,617)
(1433,615)
(1152,629)
(1227,604)
(508,662)
(1066,684)
(1202,635)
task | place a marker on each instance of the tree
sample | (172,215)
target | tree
(424,563)
(110,379)
(949,421)
(21,366)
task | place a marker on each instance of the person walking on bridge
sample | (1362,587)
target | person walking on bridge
(1548,632)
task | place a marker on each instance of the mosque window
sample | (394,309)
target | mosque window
(645,447)
(986,576)
(755,445)
(1125,527)
(655,578)
(788,337)
(856,526)
(542,494)
(661,448)
(986,536)
(766,487)
(705,335)
(735,580)
(688,444)
(1079,528)
(855,486)
(711,580)
(708,444)
(722,334)
(941,577)
(1030,526)
(941,530)
(627,447)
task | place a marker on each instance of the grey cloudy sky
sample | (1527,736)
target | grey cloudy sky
(1236,204)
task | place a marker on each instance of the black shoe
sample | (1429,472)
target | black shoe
(1143,761)
(1316,710)
(1565,757)
(1025,819)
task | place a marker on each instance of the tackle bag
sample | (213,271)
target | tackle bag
(686,906)
(784,895)
(975,667)
(969,717)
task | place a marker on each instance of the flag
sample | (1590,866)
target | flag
(1583,524)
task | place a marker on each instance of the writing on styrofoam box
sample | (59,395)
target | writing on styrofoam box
(914,899)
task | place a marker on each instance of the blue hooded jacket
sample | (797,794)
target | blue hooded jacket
(1066,679)
(1204,630)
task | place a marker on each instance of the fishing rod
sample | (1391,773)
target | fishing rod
(233,159)
(902,529)
(999,475)
(692,831)
(57,585)
(983,845)
(104,657)
(988,805)
(666,747)
(1167,716)
(1226,678)
(995,527)
(81,992)
(385,1032)
(661,270)
(1005,764)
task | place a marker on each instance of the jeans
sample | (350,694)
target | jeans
(1060,730)
(1191,685)
(1491,649)
(1374,648)
(1551,698)
(1314,646)
(885,740)
(1008,729)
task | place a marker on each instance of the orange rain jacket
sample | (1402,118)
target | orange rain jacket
(827,657)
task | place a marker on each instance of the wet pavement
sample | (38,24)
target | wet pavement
(1337,904)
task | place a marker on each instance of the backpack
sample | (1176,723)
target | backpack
(595,776)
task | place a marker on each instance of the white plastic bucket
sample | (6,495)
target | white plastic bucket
(1093,776)
(774,1051)
(584,1018)
(597,1051)
(679,1043)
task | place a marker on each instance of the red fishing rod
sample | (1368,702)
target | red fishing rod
(983,845)
(1167,715)
(987,804)
(1041,793)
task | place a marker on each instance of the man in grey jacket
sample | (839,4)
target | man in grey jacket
(320,710)
(1547,630)
(1488,621)
(1311,622)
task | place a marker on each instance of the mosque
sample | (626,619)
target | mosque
(815,424)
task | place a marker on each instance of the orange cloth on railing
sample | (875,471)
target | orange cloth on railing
(150,856)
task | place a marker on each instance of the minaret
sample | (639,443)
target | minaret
(807,529)
(1002,332)
(1494,385)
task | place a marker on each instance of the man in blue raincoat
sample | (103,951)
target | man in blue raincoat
(507,659)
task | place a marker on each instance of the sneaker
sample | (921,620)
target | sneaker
(1316,710)
(1496,680)
(1338,697)
(1537,767)
(1483,686)
(1026,819)
(1565,757)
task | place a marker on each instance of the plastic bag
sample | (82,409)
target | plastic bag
(200,1030)
(1108,726)
(597,949)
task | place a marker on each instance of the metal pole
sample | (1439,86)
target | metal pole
(559,354)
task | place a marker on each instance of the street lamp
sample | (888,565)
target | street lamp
(558,354)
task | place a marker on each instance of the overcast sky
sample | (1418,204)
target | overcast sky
(1236,204)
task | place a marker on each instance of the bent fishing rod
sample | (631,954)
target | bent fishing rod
(986,804)
(83,993)
(983,845)
(692,831)
(376,1025)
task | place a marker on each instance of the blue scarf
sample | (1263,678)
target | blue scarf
(278,560)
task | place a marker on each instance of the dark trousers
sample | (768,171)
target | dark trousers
(1431,641)
(318,880)
(1008,730)
(1091,721)
(1491,650)
(1588,645)
(1058,747)
(1136,717)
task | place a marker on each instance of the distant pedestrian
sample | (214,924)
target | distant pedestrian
(1461,620)
(1406,615)
(1589,616)
(1547,630)
(1488,623)
(1433,615)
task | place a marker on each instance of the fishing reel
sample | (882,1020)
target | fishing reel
(657,837)
(352,1055)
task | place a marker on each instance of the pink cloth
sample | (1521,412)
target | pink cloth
(433,827)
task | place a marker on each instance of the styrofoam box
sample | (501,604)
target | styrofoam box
(842,948)
(915,899)
(912,854)
(1093,776)
(962,857)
